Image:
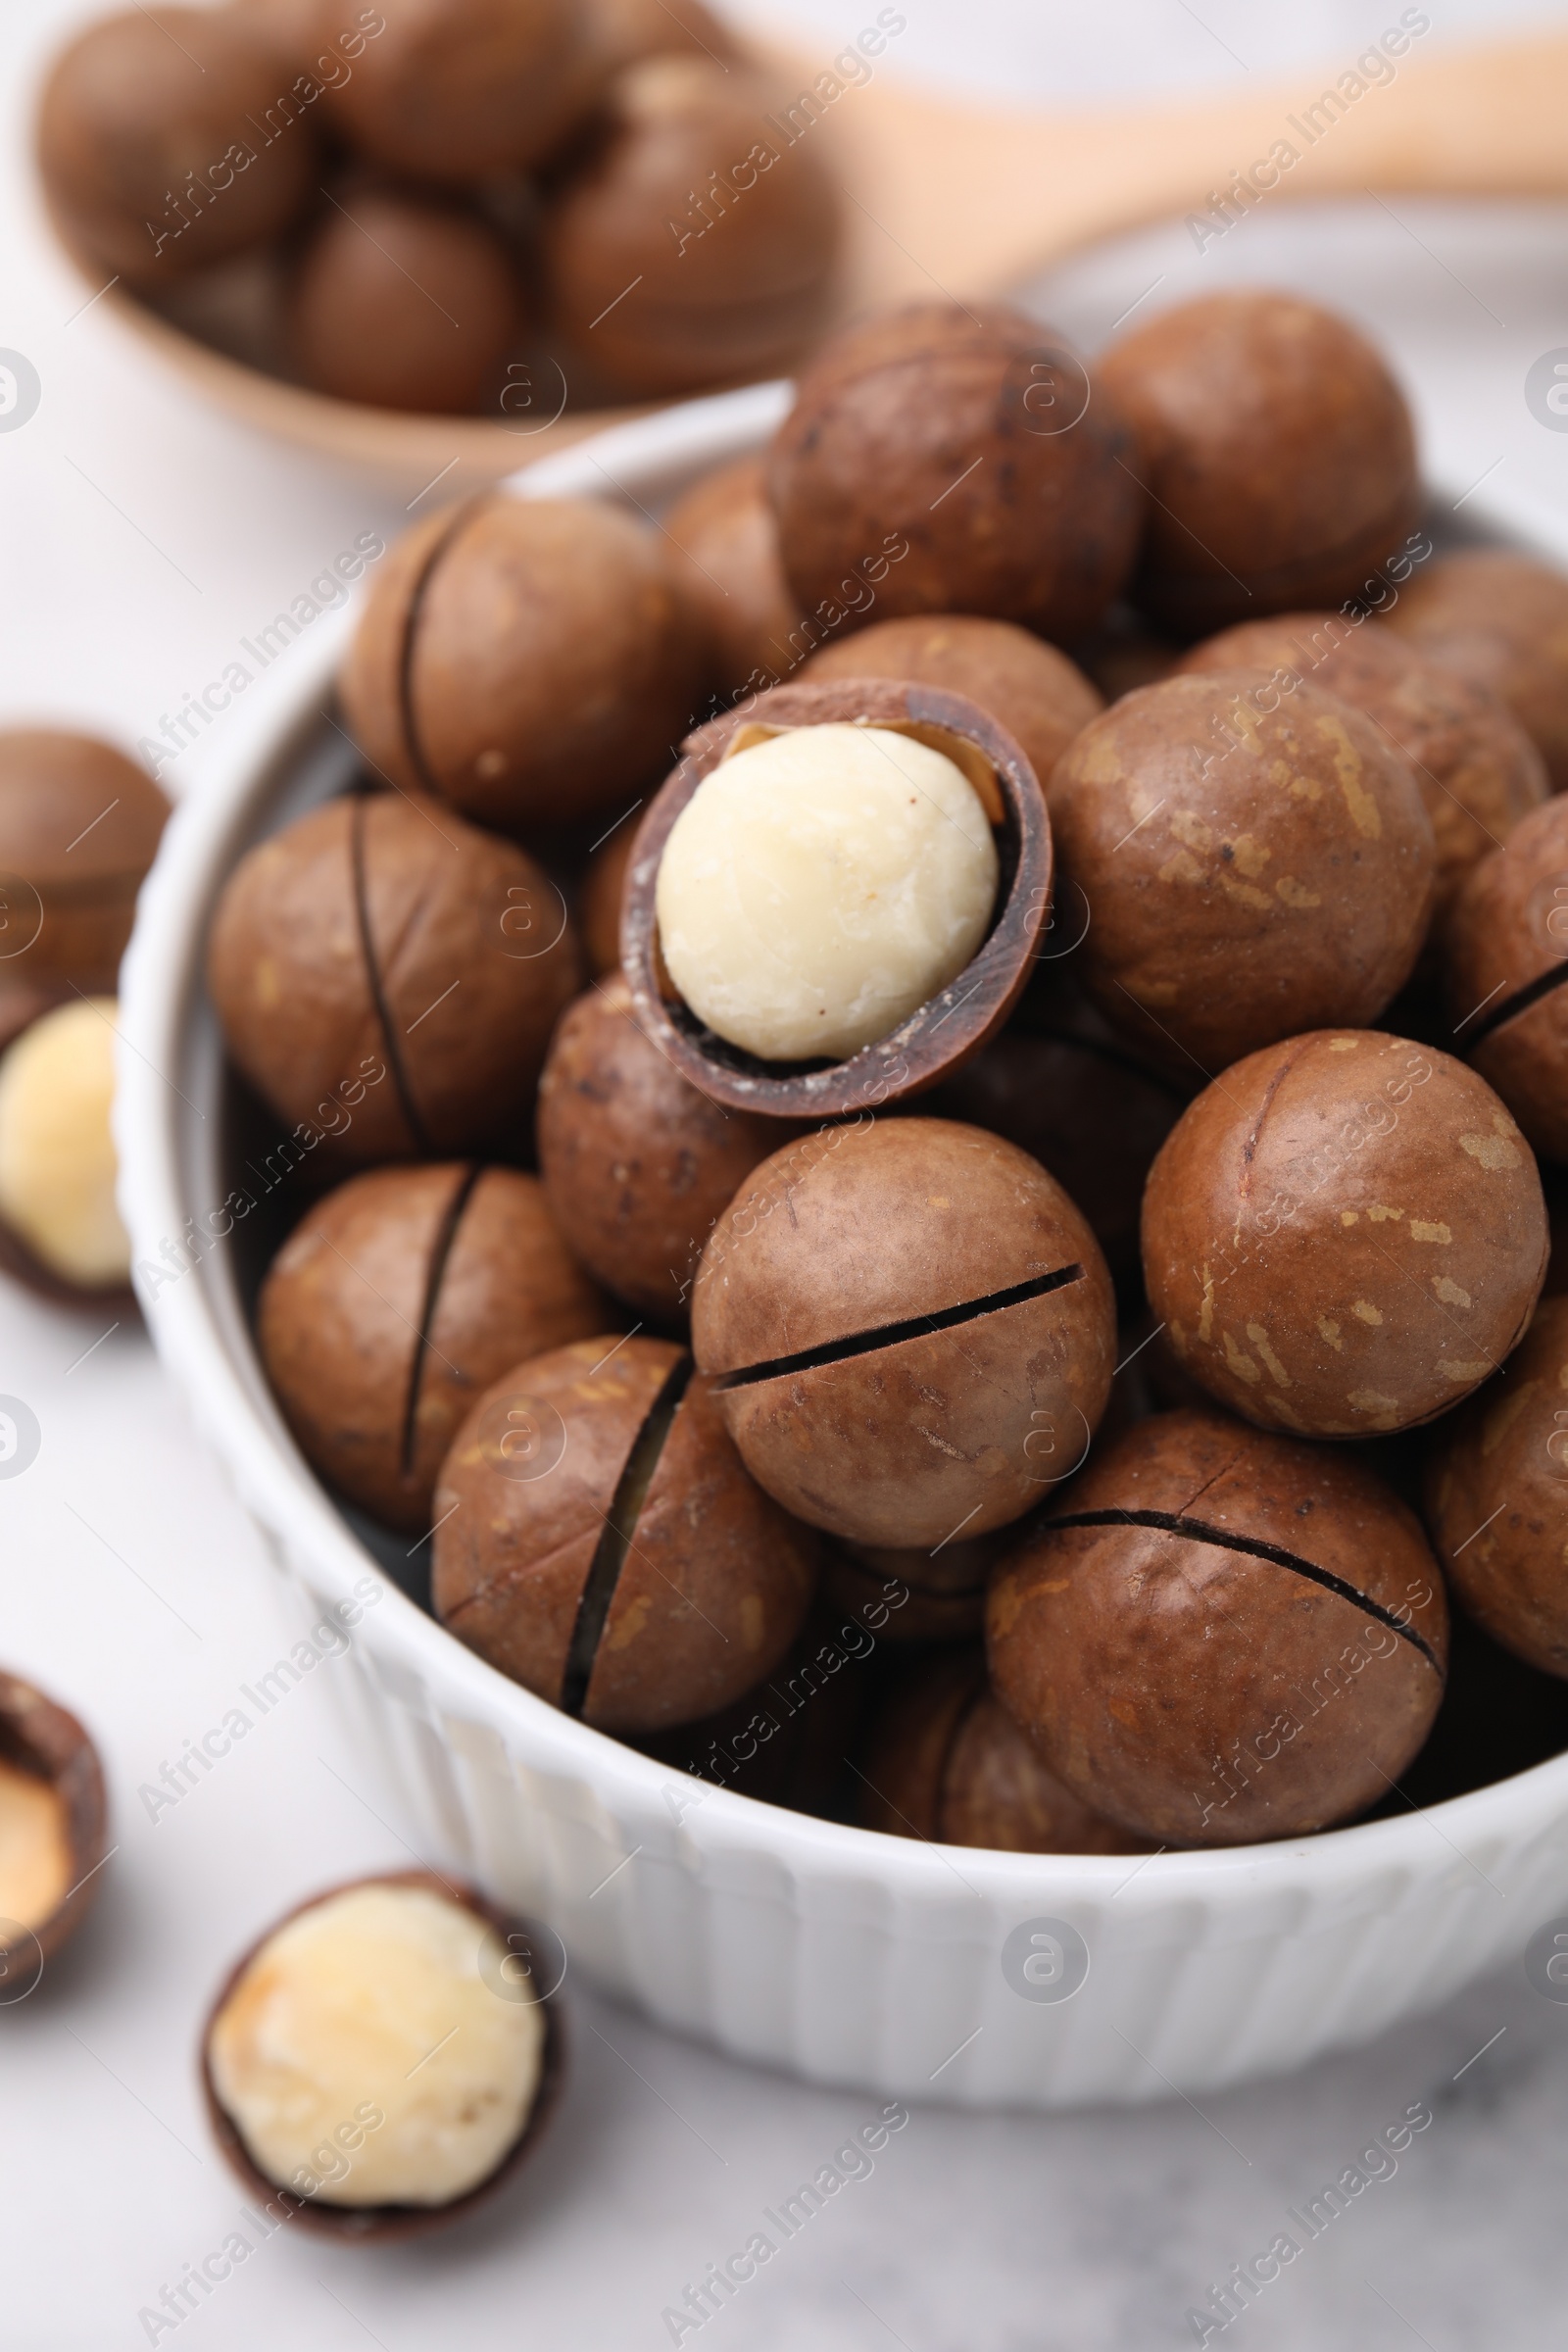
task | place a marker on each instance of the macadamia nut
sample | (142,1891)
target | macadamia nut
(34,1848)
(364,2058)
(819,886)
(57,1156)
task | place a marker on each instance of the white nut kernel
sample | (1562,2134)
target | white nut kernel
(34,1847)
(57,1155)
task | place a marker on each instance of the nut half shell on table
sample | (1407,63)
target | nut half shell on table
(940,1034)
(54,1827)
(307,2070)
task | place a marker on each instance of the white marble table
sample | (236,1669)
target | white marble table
(139,539)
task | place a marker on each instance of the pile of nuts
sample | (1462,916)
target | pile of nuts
(1028,1131)
(445,206)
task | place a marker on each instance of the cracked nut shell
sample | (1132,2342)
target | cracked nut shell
(1220,1636)
(1346,1234)
(909,1323)
(1507,960)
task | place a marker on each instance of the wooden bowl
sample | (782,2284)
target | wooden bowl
(942,1033)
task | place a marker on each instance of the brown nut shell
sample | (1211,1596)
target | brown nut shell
(915,1594)
(1497,1498)
(1033,691)
(920,460)
(675,257)
(1498,620)
(1506,953)
(530,660)
(169,145)
(724,530)
(638,1166)
(395,1303)
(380,2224)
(950,1026)
(1221,1635)
(598,1540)
(599,900)
(1478,769)
(382,945)
(79,827)
(622,32)
(1256,863)
(400,303)
(920,1344)
(1344,1234)
(945,1762)
(1276,451)
(46,1743)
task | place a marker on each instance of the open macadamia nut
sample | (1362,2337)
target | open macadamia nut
(403,303)
(383,946)
(166,145)
(530,660)
(1221,1635)
(1255,862)
(1478,769)
(1035,692)
(1497,1498)
(397,1301)
(382,2058)
(638,1166)
(909,1329)
(955,461)
(836,896)
(1499,620)
(53,1832)
(1344,1234)
(1506,942)
(599,1539)
(945,1762)
(60,1229)
(693,241)
(1277,452)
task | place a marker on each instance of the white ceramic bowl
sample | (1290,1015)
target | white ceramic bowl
(844,1956)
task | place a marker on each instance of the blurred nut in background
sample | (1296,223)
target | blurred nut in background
(599,1539)
(693,243)
(168,145)
(599,900)
(1344,1234)
(1499,620)
(384,943)
(1507,960)
(59,1228)
(622,32)
(638,1166)
(529,658)
(727,539)
(54,1830)
(79,825)
(1276,451)
(395,1303)
(403,303)
(1496,1497)
(924,470)
(1228,910)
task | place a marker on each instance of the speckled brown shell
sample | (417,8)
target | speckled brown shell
(1497,1498)
(135,105)
(1254,864)
(38,1737)
(79,825)
(380,943)
(911,1327)
(727,543)
(922,462)
(1276,451)
(395,1303)
(674,255)
(945,1762)
(1507,957)
(638,1164)
(942,1034)
(1266,1666)
(529,659)
(1478,769)
(1035,692)
(1344,1234)
(714,1582)
(378,2224)
(1499,620)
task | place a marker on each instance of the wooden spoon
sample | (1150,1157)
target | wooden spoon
(947,197)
